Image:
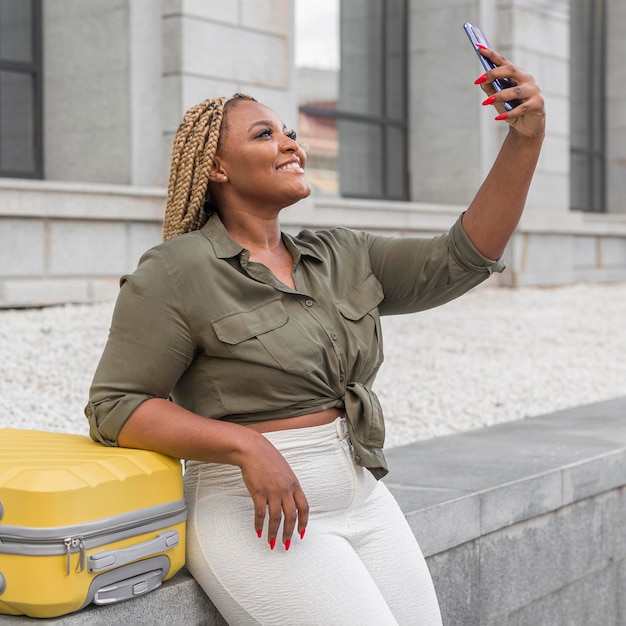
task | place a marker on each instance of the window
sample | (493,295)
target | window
(20,89)
(354,115)
(588,101)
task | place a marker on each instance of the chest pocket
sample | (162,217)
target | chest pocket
(359,311)
(267,336)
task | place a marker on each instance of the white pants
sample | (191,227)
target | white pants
(358,563)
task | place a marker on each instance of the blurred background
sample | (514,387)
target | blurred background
(381,92)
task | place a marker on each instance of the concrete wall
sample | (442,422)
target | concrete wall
(523,523)
(538,36)
(215,48)
(71,242)
(119,75)
(86,91)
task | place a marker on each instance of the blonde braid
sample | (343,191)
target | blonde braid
(195,145)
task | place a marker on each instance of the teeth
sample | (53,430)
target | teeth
(290,166)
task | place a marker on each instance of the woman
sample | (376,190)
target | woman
(268,346)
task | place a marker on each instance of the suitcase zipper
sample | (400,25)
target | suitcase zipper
(43,541)
(72,542)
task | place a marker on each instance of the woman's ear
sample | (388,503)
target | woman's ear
(217,173)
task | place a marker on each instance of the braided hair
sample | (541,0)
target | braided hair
(195,145)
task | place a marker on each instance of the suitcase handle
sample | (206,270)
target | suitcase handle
(109,559)
(129,588)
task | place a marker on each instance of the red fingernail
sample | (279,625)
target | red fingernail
(302,533)
(502,116)
(489,100)
(272,543)
(287,544)
(481,79)
(481,47)
(259,533)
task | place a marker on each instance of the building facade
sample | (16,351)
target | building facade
(91,94)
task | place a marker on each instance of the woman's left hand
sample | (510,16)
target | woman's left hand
(528,118)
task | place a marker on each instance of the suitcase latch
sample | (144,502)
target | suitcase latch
(72,543)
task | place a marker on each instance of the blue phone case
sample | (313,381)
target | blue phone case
(476,36)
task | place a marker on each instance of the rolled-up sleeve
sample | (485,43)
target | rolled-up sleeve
(148,348)
(418,274)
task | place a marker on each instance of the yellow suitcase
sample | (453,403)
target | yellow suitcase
(83,523)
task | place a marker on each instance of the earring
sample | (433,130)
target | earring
(224,178)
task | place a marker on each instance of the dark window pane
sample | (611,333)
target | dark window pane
(395,163)
(354,119)
(360,86)
(395,59)
(597,191)
(580,71)
(360,162)
(17,133)
(587,102)
(579,181)
(15,31)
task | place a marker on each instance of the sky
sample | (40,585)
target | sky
(317,33)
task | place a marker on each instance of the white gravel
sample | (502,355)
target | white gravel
(492,356)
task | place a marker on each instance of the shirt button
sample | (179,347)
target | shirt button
(357,459)
(309,303)
(334,336)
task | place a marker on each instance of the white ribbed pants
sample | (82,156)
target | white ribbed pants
(358,563)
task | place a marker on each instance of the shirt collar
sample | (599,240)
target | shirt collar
(226,247)
(298,248)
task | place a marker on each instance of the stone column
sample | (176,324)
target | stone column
(453,138)
(215,48)
(87,121)
(535,34)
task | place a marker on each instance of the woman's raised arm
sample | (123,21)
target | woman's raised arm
(497,207)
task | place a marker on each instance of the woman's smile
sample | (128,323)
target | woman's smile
(293,165)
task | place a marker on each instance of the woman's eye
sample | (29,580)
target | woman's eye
(269,132)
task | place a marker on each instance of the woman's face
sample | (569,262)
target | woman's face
(260,157)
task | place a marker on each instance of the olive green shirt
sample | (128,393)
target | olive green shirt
(200,323)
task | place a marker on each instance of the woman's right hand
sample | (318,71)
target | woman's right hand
(275,492)
(529,118)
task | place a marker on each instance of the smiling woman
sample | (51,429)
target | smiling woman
(249,168)
(251,354)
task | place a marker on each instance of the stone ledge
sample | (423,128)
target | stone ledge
(498,476)
(457,491)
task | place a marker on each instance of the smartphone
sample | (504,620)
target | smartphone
(477,36)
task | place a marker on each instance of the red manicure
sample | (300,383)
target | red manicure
(503,116)
(287,544)
(481,47)
(302,533)
(272,543)
(481,79)
(489,100)
(259,533)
